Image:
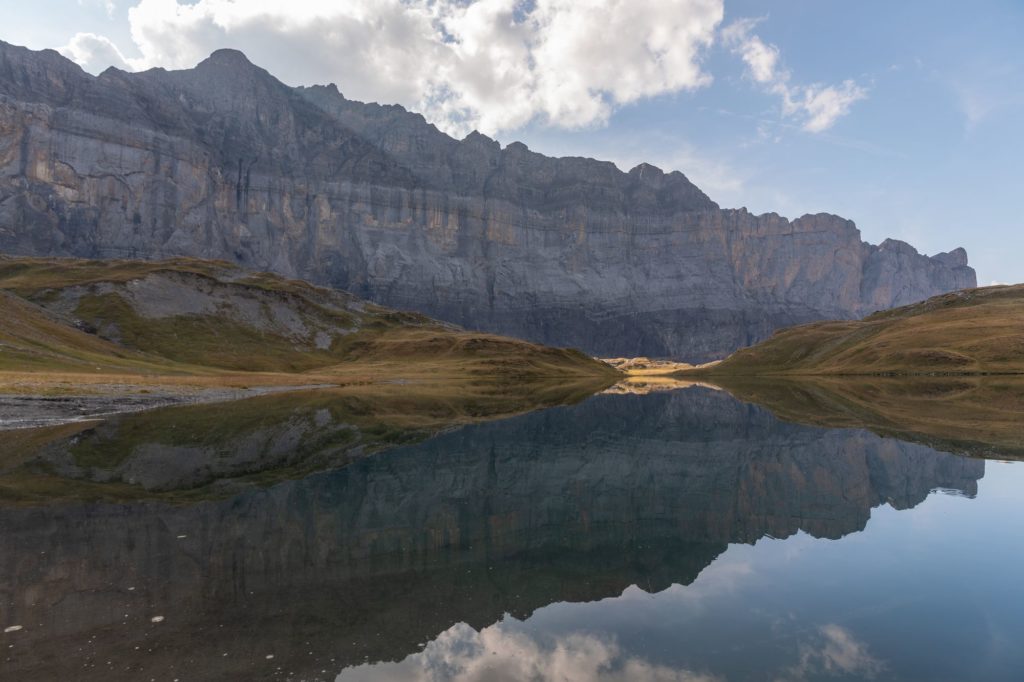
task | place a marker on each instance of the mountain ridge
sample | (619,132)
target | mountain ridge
(225,161)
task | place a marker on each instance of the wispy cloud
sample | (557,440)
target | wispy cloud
(94,52)
(833,650)
(981,91)
(816,106)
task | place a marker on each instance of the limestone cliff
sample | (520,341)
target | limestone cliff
(225,161)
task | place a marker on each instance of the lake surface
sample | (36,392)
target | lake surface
(673,536)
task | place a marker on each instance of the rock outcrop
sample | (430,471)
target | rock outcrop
(225,161)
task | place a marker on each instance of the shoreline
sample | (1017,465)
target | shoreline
(27,411)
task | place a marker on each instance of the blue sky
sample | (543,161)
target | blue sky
(902,116)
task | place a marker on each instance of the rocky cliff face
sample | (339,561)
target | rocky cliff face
(225,161)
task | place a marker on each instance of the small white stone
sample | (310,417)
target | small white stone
(12,628)
(270,656)
(156,619)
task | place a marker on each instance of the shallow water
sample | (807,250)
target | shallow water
(674,536)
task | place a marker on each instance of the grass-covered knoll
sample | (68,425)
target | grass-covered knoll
(210,318)
(976,415)
(974,331)
(35,340)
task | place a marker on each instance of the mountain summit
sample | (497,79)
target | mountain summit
(225,161)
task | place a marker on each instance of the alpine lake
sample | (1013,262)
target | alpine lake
(669,535)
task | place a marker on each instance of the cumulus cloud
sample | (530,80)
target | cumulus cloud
(94,53)
(490,64)
(501,652)
(817,106)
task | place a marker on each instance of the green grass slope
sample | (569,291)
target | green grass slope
(32,339)
(974,331)
(198,316)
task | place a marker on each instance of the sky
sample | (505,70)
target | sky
(902,116)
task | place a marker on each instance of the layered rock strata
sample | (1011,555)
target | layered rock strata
(225,161)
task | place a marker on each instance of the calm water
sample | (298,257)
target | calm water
(681,536)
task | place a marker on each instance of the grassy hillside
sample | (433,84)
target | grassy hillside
(975,331)
(31,339)
(209,319)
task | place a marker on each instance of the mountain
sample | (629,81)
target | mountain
(224,161)
(975,331)
(207,318)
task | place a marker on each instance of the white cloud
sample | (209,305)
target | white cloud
(491,64)
(824,106)
(762,59)
(94,53)
(500,652)
(817,106)
(833,651)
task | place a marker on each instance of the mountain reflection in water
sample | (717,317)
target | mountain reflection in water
(561,544)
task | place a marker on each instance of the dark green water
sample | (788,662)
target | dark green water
(679,536)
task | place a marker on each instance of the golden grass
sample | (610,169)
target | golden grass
(975,331)
(217,351)
(26,276)
(400,377)
(31,338)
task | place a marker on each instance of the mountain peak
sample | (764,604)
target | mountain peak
(955,258)
(227,57)
(647,169)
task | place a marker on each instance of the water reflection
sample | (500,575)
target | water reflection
(524,548)
(505,651)
(500,652)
